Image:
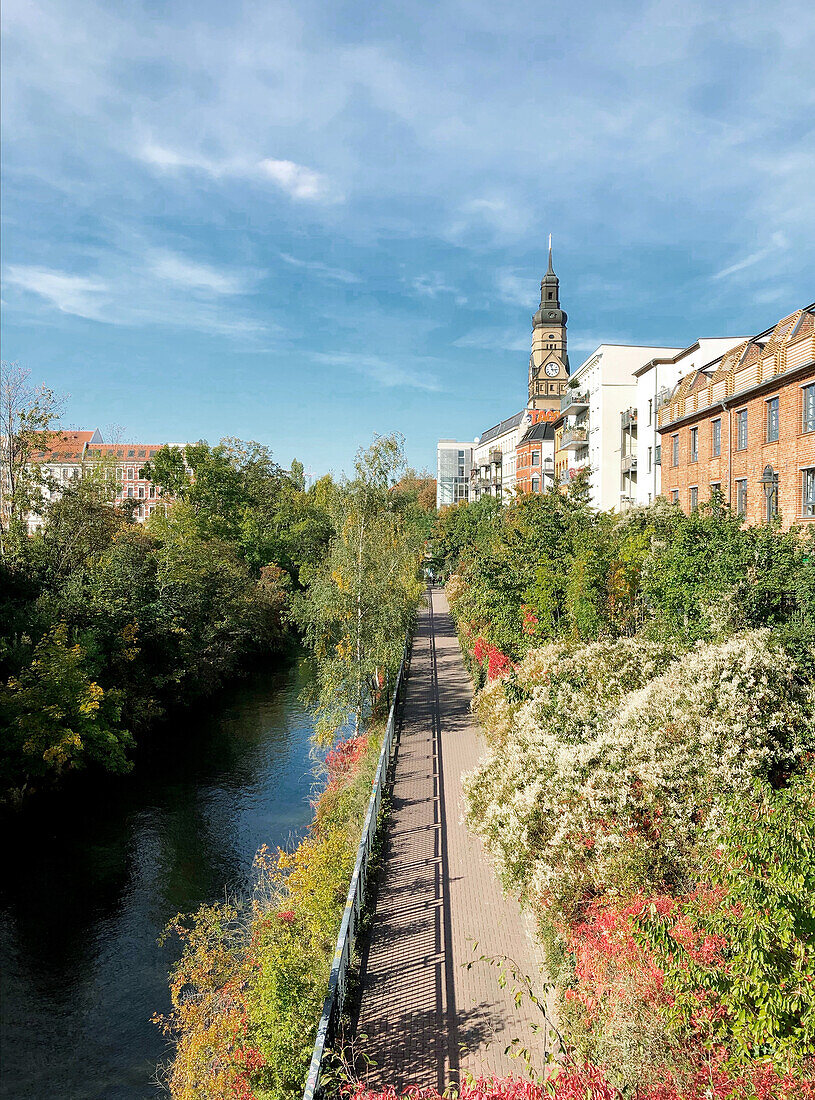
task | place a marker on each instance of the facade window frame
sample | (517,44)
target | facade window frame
(808,491)
(771,419)
(693,497)
(716,437)
(694,444)
(741,429)
(741,496)
(808,408)
(675,450)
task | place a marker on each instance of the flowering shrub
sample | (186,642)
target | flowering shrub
(576,798)
(556,699)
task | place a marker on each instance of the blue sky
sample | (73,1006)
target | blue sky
(306,222)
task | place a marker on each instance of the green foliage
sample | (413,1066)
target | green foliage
(57,717)
(739,962)
(361,598)
(167,610)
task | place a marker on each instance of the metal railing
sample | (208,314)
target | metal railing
(344,950)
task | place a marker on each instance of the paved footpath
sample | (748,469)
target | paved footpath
(428,1019)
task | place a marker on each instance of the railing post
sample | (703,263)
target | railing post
(332,1007)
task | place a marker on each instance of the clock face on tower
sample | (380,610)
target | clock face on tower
(552,370)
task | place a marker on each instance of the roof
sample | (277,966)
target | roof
(502,428)
(535,433)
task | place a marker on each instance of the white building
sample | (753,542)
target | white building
(655,381)
(495,457)
(454,461)
(599,391)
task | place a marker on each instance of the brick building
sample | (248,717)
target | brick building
(71,453)
(535,458)
(745,426)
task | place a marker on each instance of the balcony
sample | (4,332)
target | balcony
(574,438)
(629,464)
(496,455)
(573,402)
(629,419)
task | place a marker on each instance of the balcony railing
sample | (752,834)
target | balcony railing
(629,464)
(573,438)
(573,401)
(629,418)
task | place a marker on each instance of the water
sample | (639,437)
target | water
(89,880)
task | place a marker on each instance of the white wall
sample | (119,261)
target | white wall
(661,376)
(608,377)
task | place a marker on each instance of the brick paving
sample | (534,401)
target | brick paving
(425,1018)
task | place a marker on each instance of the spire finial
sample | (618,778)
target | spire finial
(550,269)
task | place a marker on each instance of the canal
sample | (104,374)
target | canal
(89,879)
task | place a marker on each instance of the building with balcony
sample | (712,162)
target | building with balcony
(655,382)
(454,462)
(495,457)
(744,427)
(601,389)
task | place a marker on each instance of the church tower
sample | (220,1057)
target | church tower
(549,361)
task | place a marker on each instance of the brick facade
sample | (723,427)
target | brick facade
(747,428)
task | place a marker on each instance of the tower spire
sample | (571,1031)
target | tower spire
(550,270)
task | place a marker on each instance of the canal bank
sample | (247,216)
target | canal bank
(90,877)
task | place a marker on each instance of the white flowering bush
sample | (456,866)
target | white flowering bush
(556,697)
(612,773)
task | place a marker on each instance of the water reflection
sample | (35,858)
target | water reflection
(88,882)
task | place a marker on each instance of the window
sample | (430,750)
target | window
(536,484)
(130,490)
(772,420)
(741,429)
(141,492)
(650,454)
(650,411)
(674,450)
(808,497)
(130,473)
(675,496)
(536,458)
(808,401)
(694,444)
(131,454)
(715,489)
(694,496)
(741,497)
(716,438)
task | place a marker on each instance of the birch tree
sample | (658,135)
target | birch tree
(361,600)
(26,413)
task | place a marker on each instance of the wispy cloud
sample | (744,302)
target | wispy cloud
(496,338)
(520,290)
(433,285)
(778,242)
(170,292)
(77,294)
(296,180)
(382,371)
(319,268)
(172,268)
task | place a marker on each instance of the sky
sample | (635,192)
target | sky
(306,223)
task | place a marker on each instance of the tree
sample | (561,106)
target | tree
(360,600)
(26,413)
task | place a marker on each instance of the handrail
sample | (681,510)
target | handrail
(343,952)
